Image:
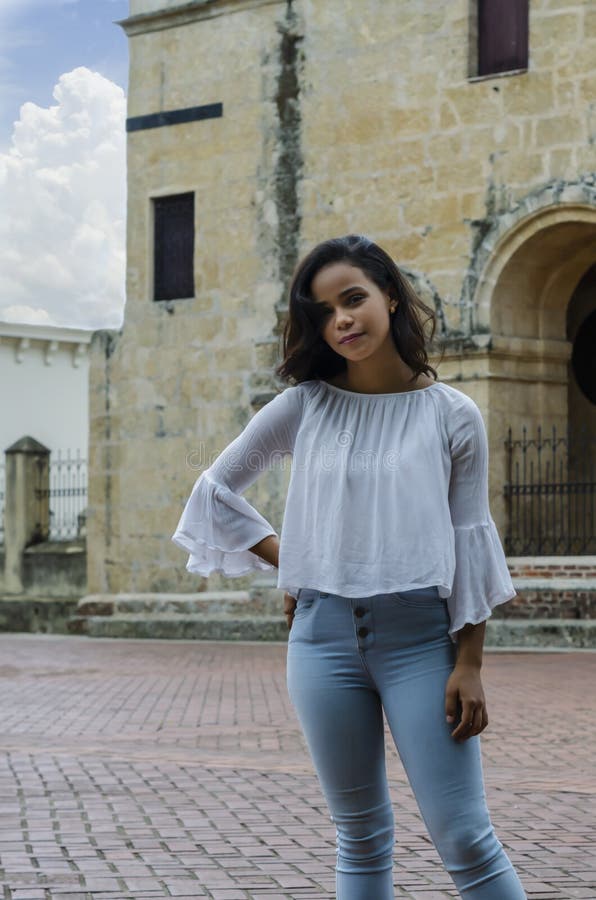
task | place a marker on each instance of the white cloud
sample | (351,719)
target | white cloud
(27,315)
(62,207)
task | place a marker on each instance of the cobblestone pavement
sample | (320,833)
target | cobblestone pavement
(146,769)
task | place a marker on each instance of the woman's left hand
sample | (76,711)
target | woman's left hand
(464,694)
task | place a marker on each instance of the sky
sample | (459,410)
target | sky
(63,80)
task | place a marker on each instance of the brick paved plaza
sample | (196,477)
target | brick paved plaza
(145,769)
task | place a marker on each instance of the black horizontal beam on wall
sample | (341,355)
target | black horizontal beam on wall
(175,117)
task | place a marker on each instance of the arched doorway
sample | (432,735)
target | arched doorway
(537,299)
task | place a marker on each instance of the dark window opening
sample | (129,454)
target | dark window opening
(583,359)
(502,36)
(173,247)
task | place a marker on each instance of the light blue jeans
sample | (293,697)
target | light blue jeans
(348,660)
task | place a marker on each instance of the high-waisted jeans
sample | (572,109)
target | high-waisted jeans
(348,660)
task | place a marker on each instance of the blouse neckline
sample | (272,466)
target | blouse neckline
(394,394)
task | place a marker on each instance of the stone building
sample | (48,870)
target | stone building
(464,145)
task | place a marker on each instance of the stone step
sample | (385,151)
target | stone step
(264,598)
(514,633)
(207,603)
(545,633)
(38,615)
(561,583)
(188,627)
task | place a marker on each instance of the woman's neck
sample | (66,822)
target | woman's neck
(381,385)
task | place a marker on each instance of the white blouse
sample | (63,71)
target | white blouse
(387,492)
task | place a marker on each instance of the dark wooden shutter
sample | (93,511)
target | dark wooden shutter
(174,240)
(502,36)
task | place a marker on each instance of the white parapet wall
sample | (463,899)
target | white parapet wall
(44,386)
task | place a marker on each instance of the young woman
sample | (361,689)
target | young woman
(390,561)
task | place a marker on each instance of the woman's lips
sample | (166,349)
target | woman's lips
(352,339)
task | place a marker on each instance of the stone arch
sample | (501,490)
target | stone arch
(534,287)
(523,301)
(541,258)
(506,226)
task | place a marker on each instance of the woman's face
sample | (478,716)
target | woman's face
(352,304)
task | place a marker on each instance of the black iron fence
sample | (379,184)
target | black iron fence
(550,494)
(67,495)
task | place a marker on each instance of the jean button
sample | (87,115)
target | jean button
(362,632)
(324,595)
(359,612)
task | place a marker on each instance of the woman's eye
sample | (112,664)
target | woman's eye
(326,312)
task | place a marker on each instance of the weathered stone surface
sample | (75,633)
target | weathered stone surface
(164,625)
(55,569)
(543,633)
(41,615)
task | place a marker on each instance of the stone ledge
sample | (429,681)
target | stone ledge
(544,633)
(558,562)
(37,615)
(536,633)
(556,583)
(223,627)
(244,603)
(182,14)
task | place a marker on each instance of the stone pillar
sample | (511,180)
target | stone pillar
(27,505)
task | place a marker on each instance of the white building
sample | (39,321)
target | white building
(44,375)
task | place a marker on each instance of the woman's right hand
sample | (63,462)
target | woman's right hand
(289,607)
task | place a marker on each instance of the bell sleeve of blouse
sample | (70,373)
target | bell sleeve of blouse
(482,579)
(218,524)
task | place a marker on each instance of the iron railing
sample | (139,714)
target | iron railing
(550,494)
(2,491)
(67,495)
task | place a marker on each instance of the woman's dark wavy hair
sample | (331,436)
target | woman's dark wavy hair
(306,355)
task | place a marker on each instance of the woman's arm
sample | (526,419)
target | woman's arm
(464,693)
(268,549)
(482,579)
(218,526)
(470,645)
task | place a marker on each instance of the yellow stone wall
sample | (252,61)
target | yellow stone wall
(338,116)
